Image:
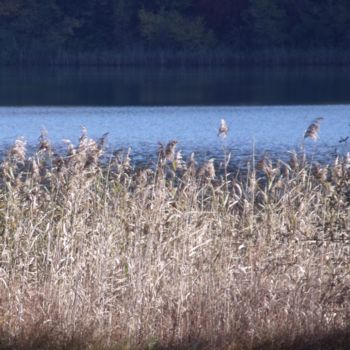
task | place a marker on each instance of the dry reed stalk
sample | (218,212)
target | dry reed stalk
(44,142)
(106,256)
(223,129)
(179,162)
(313,129)
(18,152)
(170,150)
(207,170)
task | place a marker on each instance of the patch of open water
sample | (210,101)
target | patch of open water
(271,129)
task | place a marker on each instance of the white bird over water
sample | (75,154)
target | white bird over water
(223,129)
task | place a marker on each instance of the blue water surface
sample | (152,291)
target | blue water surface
(272,129)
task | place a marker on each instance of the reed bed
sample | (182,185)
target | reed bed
(96,254)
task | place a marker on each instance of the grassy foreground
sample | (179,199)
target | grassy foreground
(99,255)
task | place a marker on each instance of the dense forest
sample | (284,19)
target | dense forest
(67,31)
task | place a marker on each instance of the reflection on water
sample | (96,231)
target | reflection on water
(173,87)
(275,129)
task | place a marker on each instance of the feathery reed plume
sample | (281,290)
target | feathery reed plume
(35,169)
(44,142)
(179,162)
(207,170)
(347,160)
(83,134)
(170,150)
(89,151)
(121,160)
(262,162)
(293,161)
(320,173)
(127,160)
(223,129)
(142,176)
(58,162)
(161,151)
(71,151)
(101,142)
(211,169)
(18,151)
(191,167)
(265,165)
(337,169)
(285,169)
(87,144)
(313,129)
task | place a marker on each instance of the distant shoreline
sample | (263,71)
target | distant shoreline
(169,58)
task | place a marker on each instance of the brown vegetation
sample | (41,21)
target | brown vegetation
(104,256)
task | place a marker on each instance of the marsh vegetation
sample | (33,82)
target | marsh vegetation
(98,254)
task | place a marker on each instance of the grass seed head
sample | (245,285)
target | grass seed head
(223,129)
(179,162)
(320,173)
(313,129)
(18,151)
(44,142)
(207,170)
(293,161)
(170,150)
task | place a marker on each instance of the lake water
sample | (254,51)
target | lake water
(266,109)
(243,86)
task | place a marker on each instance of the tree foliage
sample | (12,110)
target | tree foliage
(92,25)
(171,29)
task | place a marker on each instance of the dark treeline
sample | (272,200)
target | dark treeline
(174,31)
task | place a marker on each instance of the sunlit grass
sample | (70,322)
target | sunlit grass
(98,254)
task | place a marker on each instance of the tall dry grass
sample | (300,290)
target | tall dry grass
(99,255)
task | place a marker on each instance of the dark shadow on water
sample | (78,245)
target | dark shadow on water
(173,86)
